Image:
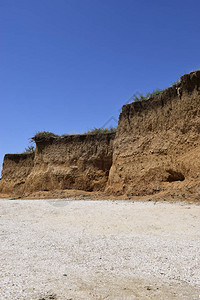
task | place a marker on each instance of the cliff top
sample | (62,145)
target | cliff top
(187,83)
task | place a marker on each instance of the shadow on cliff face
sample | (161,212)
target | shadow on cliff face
(174,176)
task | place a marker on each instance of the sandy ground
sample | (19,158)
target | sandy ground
(65,249)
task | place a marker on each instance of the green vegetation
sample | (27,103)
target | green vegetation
(43,134)
(136,98)
(101,130)
(47,134)
(141,97)
(177,82)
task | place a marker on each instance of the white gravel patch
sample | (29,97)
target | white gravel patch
(71,249)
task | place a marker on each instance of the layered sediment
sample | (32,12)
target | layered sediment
(16,169)
(157,146)
(71,162)
(156,150)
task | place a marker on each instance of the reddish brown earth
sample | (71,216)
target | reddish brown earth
(155,155)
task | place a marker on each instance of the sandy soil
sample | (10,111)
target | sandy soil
(65,249)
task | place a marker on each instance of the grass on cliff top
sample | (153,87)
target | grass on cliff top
(43,134)
(141,97)
(101,130)
(46,134)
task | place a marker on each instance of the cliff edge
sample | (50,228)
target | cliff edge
(157,146)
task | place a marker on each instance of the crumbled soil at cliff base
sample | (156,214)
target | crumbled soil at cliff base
(83,195)
(65,249)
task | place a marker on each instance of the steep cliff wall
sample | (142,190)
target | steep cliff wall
(16,168)
(71,162)
(156,151)
(157,146)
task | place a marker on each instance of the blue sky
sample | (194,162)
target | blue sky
(67,66)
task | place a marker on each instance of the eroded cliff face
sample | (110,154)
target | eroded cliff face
(157,146)
(156,151)
(71,162)
(16,169)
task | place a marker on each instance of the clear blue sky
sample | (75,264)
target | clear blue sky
(69,65)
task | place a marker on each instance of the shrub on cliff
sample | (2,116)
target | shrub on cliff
(30,148)
(141,97)
(101,130)
(43,134)
(47,134)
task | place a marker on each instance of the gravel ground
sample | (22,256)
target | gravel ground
(66,249)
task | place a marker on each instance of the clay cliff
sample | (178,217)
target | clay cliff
(156,151)
(157,146)
(71,162)
(16,169)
